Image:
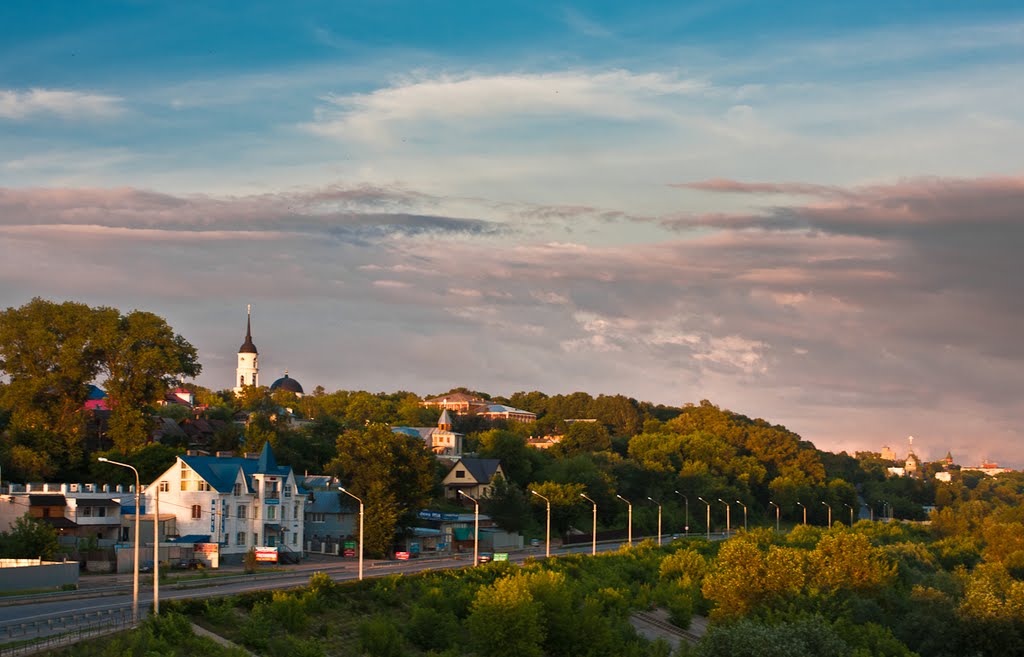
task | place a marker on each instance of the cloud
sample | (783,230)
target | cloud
(480,99)
(34,103)
(351,213)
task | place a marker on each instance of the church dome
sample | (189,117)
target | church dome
(287,384)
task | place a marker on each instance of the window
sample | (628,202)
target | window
(287,490)
(255,538)
(86,511)
(295,538)
(460,474)
(296,516)
(184,484)
(101,512)
(241,511)
(227,539)
(165,487)
(197,511)
(124,533)
(316,517)
(271,513)
(204,486)
(240,538)
(227,512)
(238,489)
(284,513)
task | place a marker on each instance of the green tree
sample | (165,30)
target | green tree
(392,473)
(565,502)
(583,437)
(29,538)
(142,356)
(507,505)
(50,352)
(506,620)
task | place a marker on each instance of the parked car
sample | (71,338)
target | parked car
(485,557)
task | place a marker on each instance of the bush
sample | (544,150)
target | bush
(432,629)
(378,637)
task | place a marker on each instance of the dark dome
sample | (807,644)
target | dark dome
(287,384)
(247,347)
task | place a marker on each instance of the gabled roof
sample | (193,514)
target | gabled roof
(445,418)
(330,502)
(481,469)
(221,472)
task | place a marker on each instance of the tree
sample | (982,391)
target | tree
(392,473)
(506,620)
(565,502)
(507,505)
(29,538)
(142,356)
(50,352)
(584,437)
(511,450)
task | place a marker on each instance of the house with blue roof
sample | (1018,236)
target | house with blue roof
(236,502)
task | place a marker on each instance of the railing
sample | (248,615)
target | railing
(40,635)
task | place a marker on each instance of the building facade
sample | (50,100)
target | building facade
(236,502)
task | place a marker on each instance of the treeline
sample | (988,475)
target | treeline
(876,589)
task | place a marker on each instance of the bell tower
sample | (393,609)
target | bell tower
(248,370)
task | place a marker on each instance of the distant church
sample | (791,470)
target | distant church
(248,371)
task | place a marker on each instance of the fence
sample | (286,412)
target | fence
(37,636)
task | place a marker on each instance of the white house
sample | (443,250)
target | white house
(236,502)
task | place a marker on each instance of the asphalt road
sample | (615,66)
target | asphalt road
(70,610)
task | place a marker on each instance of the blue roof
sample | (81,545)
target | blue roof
(96,393)
(221,472)
(191,538)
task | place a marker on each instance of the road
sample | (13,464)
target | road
(42,615)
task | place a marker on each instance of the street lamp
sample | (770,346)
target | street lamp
(547,540)
(805,511)
(659,517)
(776,514)
(476,528)
(708,522)
(728,520)
(342,489)
(156,549)
(629,519)
(135,578)
(744,514)
(851,513)
(686,527)
(827,506)
(593,547)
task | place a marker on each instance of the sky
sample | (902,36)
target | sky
(809,212)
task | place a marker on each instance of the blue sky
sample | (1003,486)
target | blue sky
(809,212)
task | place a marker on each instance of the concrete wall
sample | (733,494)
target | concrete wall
(39,575)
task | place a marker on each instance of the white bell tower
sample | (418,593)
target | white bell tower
(248,371)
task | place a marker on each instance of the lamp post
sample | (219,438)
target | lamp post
(593,535)
(776,514)
(805,511)
(343,490)
(744,514)
(135,578)
(728,520)
(476,528)
(884,504)
(829,507)
(547,539)
(156,549)
(708,522)
(629,519)
(686,527)
(851,513)
(659,517)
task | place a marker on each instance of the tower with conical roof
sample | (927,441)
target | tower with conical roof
(248,371)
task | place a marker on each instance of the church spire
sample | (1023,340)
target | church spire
(248,347)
